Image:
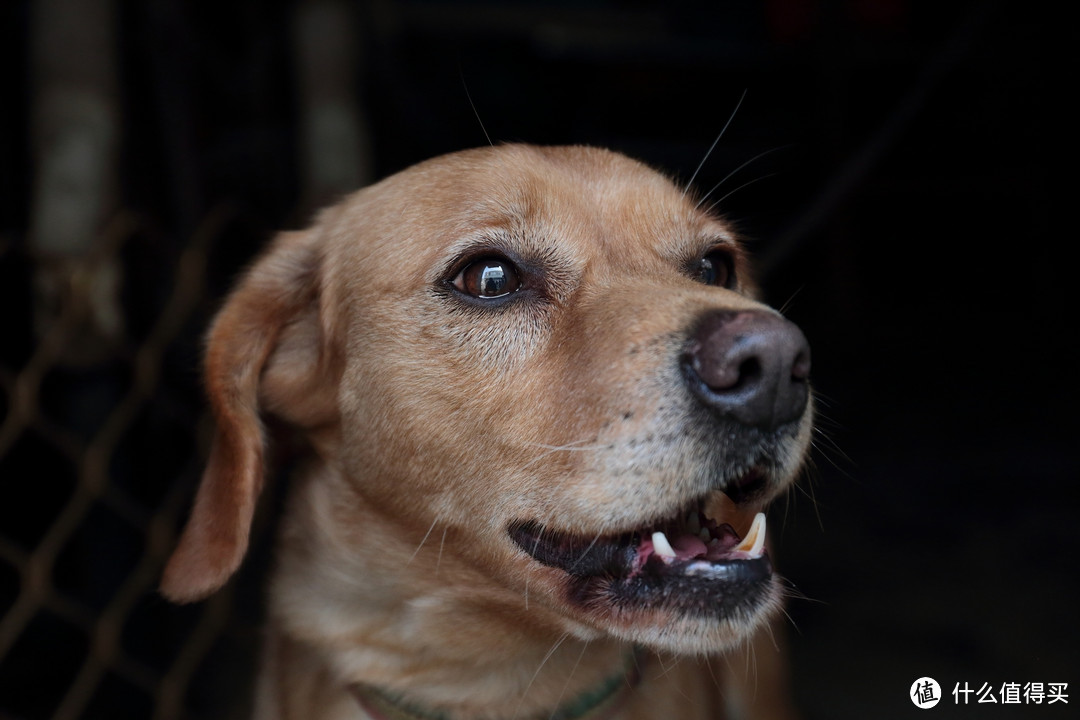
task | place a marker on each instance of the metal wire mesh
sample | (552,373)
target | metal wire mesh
(97,465)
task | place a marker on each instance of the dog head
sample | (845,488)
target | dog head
(555,355)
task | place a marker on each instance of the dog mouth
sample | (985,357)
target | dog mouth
(708,558)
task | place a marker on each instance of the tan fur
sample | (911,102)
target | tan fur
(434,426)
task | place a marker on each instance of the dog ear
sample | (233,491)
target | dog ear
(266,350)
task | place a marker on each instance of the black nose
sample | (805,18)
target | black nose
(749,365)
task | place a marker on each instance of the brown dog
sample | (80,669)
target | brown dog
(546,410)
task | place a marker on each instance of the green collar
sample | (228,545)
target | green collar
(593,704)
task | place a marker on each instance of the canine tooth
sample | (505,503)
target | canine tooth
(754,542)
(662,546)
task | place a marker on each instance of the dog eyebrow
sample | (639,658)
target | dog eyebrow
(532,250)
(691,245)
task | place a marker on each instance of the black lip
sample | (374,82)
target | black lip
(606,571)
(611,555)
(730,589)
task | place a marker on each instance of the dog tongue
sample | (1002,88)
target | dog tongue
(687,546)
(683,546)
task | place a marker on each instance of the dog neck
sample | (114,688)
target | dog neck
(383,610)
(595,703)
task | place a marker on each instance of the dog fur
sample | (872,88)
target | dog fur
(438,419)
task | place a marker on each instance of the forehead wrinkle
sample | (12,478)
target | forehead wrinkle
(642,224)
(571,208)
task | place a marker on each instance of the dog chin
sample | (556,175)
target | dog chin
(689,634)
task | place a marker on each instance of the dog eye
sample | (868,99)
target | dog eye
(715,269)
(488,278)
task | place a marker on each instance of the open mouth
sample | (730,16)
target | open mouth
(709,558)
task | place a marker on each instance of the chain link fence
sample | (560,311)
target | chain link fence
(98,459)
(153,156)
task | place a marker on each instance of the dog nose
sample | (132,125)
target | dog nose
(750,365)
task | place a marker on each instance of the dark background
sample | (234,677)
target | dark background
(910,217)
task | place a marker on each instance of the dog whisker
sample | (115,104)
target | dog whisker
(473,106)
(667,669)
(712,674)
(442,543)
(576,445)
(772,635)
(585,552)
(712,208)
(730,174)
(823,436)
(791,298)
(713,146)
(424,540)
(529,577)
(809,493)
(791,621)
(824,446)
(679,690)
(536,674)
(823,398)
(751,664)
(792,592)
(573,670)
(569,447)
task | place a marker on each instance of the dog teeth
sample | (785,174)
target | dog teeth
(662,546)
(754,542)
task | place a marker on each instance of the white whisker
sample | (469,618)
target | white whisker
(529,577)
(552,449)
(585,551)
(728,176)
(713,146)
(669,668)
(712,674)
(558,702)
(473,106)
(424,540)
(576,445)
(745,184)
(787,303)
(442,543)
(536,674)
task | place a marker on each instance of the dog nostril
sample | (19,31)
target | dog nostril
(725,377)
(800,369)
(752,366)
(749,373)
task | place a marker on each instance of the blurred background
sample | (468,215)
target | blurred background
(898,170)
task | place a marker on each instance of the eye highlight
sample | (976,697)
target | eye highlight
(715,268)
(488,278)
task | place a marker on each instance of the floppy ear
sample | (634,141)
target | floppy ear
(266,350)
